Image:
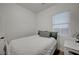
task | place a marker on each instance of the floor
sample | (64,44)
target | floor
(58,52)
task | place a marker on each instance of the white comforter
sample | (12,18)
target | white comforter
(33,45)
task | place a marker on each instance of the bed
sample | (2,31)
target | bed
(32,45)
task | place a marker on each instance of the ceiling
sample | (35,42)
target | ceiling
(36,7)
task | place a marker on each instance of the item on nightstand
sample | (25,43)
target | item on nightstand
(76,35)
(2,38)
(77,41)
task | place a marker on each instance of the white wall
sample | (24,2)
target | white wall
(17,21)
(75,20)
(45,18)
(0,25)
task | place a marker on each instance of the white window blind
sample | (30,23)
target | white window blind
(61,23)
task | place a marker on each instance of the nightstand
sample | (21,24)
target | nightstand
(71,47)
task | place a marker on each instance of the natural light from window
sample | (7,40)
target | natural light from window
(61,23)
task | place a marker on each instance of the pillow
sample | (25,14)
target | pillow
(44,33)
(54,34)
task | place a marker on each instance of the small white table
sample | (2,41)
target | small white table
(71,47)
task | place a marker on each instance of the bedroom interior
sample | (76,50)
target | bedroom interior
(39,29)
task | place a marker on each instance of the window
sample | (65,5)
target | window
(61,23)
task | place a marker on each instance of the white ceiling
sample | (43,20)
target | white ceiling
(36,7)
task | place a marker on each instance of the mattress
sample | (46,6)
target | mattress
(33,45)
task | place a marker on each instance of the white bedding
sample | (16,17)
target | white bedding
(33,45)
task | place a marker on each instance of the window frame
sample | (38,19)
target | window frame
(61,23)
